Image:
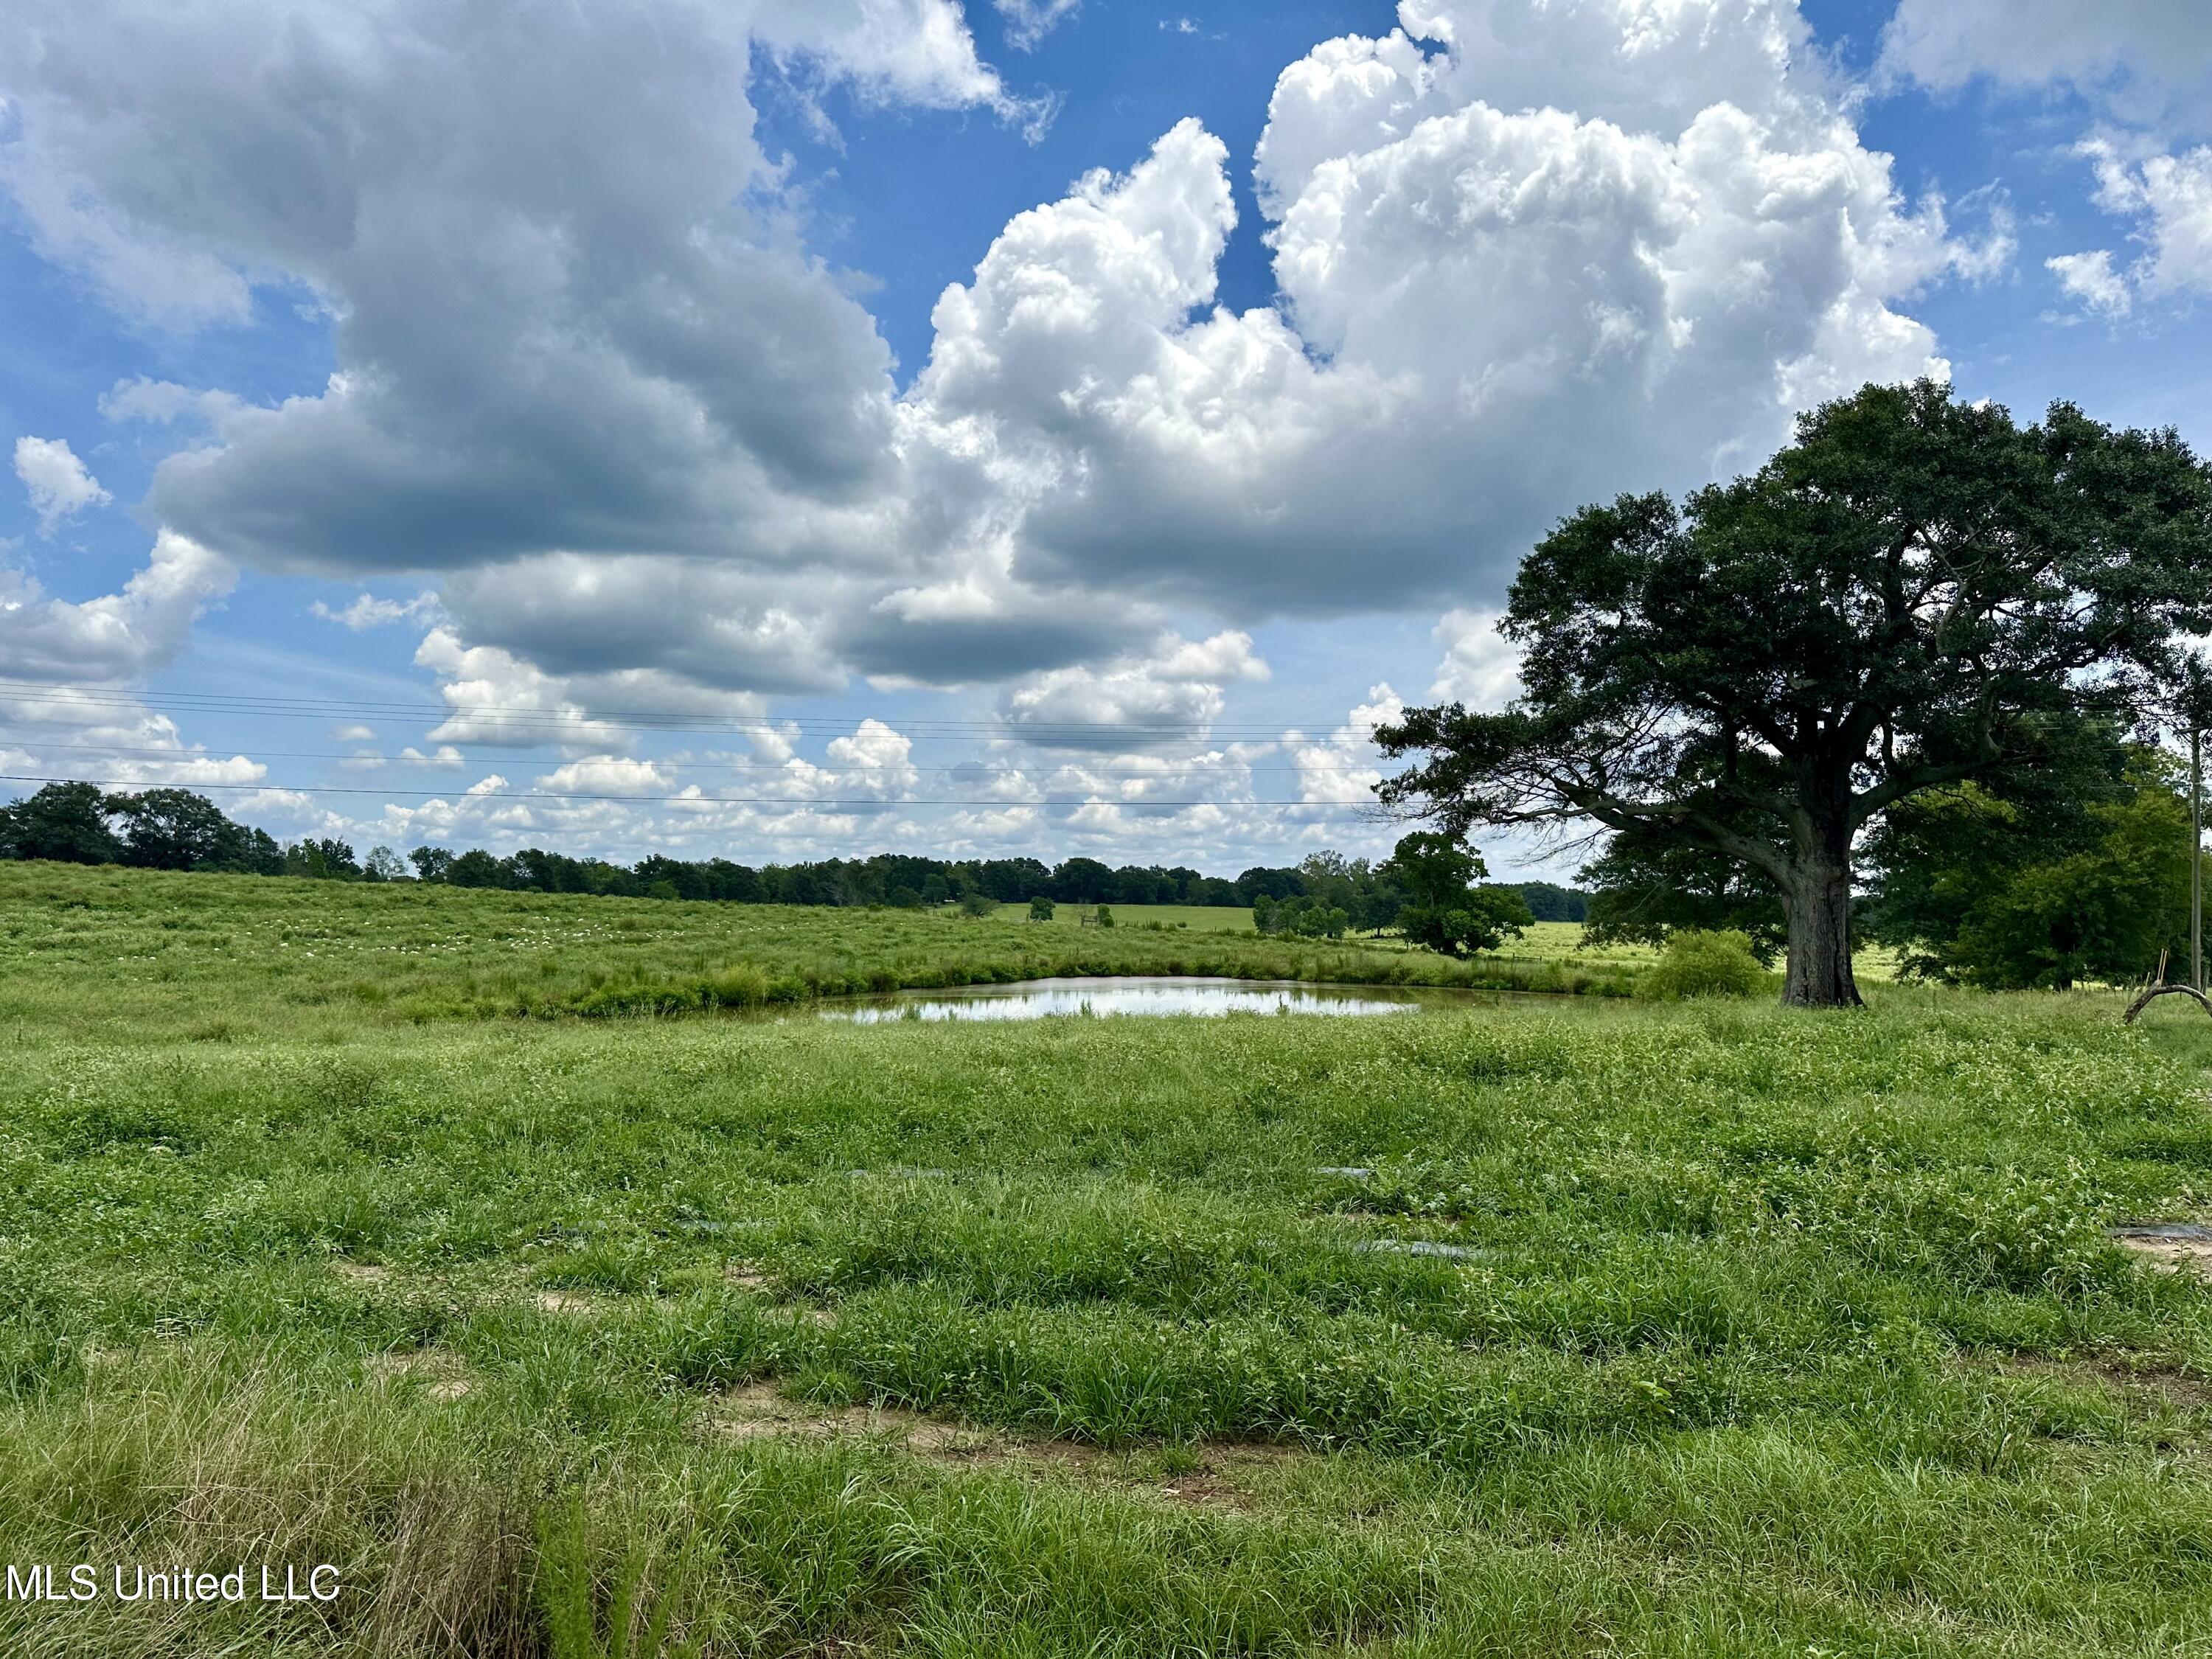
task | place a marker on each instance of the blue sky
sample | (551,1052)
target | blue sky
(403,406)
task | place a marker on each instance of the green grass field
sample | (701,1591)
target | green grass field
(214,955)
(1558,1325)
(1190,918)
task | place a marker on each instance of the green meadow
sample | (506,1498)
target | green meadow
(1189,918)
(546,1265)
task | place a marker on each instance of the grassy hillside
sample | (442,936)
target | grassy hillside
(148,950)
(1189,918)
(1563,1326)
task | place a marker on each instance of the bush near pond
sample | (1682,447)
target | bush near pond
(1697,962)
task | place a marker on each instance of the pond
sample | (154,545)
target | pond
(1046,999)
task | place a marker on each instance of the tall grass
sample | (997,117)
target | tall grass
(1732,1329)
(211,954)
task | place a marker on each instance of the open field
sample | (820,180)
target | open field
(1751,1332)
(1192,918)
(212,955)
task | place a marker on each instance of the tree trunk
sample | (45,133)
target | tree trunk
(1818,901)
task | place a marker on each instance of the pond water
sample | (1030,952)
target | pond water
(1044,999)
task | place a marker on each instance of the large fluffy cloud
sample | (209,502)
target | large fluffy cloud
(70,707)
(116,638)
(1528,252)
(1169,694)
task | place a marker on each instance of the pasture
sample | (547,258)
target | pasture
(1191,918)
(343,1227)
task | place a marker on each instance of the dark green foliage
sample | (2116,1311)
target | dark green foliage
(1257,884)
(1648,884)
(176,830)
(1547,902)
(1444,908)
(474,868)
(264,854)
(180,830)
(1041,908)
(64,822)
(1700,962)
(1300,918)
(152,830)
(1912,595)
(2077,876)
(1083,881)
(326,859)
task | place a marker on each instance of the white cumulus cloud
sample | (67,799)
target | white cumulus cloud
(2090,278)
(1172,693)
(1029,21)
(117,637)
(367,611)
(2149,60)
(649,446)
(1481,668)
(58,483)
(1528,254)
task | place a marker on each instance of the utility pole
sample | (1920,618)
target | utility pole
(2196,704)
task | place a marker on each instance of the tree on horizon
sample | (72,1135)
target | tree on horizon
(1916,592)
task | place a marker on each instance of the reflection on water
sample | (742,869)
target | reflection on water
(1044,998)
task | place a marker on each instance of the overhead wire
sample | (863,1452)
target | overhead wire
(525,717)
(878,803)
(359,758)
(552,724)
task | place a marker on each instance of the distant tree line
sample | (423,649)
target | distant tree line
(178,830)
(169,830)
(1430,888)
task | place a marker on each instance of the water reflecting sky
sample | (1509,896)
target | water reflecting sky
(1044,999)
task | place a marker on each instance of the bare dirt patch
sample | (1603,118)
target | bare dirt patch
(2146,1381)
(2174,1253)
(1223,1476)
(441,1375)
(761,1412)
(571,1304)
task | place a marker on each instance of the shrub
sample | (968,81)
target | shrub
(743,986)
(1697,963)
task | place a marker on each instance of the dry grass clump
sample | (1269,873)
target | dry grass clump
(197,1459)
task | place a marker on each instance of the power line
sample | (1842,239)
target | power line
(970,768)
(526,718)
(795,803)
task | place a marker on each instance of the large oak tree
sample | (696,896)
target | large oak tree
(1915,593)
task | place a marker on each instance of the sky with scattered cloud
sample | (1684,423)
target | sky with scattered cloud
(780,430)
